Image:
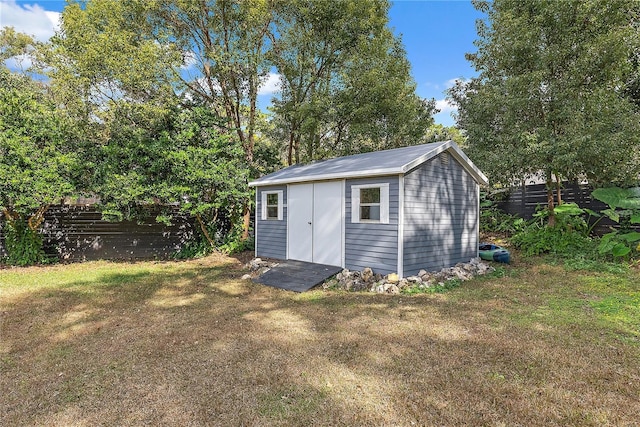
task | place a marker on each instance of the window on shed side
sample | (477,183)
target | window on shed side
(370,203)
(271,205)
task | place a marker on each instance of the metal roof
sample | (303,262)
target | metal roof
(388,162)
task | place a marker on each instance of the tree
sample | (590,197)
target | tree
(633,80)
(149,52)
(174,158)
(216,53)
(17,46)
(37,164)
(438,132)
(378,108)
(346,84)
(550,92)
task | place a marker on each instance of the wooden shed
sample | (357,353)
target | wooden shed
(399,210)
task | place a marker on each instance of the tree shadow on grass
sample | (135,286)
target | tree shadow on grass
(200,347)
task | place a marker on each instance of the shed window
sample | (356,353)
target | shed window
(370,203)
(272,205)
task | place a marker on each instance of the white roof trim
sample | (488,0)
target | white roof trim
(450,146)
(326,177)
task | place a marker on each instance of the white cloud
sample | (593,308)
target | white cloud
(190,60)
(29,19)
(452,82)
(270,84)
(445,106)
(203,84)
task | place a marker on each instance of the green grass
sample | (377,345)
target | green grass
(189,343)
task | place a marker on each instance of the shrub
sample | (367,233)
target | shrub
(569,236)
(228,241)
(23,245)
(624,209)
(536,240)
(495,220)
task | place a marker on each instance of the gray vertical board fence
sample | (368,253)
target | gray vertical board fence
(441,215)
(373,245)
(78,233)
(524,201)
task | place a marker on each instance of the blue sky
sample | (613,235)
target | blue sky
(436,35)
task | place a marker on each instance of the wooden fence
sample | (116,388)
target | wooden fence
(78,233)
(525,200)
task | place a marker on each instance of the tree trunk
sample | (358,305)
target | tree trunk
(296,148)
(205,232)
(10,216)
(36,219)
(550,202)
(246,222)
(558,190)
(290,149)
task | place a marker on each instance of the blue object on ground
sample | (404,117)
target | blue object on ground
(491,252)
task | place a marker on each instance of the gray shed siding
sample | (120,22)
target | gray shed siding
(271,235)
(372,245)
(440,216)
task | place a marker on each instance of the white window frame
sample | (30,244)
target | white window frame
(263,215)
(384,203)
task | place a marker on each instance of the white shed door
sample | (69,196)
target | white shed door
(315,222)
(300,221)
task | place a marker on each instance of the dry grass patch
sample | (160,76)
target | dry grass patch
(190,344)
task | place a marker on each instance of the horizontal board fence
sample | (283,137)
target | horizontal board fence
(77,233)
(524,201)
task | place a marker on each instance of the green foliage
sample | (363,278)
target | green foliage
(346,83)
(23,245)
(589,262)
(495,220)
(38,159)
(619,245)
(551,94)
(104,51)
(20,47)
(195,248)
(234,243)
(619,198)
(228,241)
(568,237)
(37,163)
(536,240)
(173,157)
(437,132)
(624,209)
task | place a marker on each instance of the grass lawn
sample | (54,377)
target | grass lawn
(188,343)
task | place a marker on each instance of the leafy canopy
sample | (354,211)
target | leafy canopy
(37,165)
(552,91)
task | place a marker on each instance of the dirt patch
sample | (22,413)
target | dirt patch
(244,257)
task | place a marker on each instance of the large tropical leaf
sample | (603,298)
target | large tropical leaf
(623,198)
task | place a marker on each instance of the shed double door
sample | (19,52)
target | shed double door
(314,216)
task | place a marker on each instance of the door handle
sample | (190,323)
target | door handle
(309,222)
